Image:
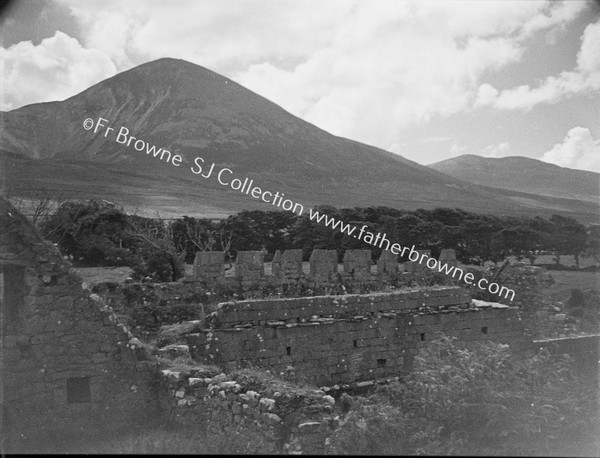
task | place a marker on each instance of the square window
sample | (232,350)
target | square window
(484,330)
(381,362)
(78,390)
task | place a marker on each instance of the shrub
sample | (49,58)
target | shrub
(370,429)
(477,399)
(159,264)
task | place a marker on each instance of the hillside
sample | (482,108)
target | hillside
(192,111)
(523,174)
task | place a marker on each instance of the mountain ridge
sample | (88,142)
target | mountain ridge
(523,173)
(195,112)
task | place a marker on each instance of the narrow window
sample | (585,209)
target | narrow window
(288,350)
(78,390)
(484,330)
(356,344)
(422,336)
(381,362)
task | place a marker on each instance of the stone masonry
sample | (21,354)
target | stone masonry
(287,266)
(209,265)
(66,364)
(343,339)
(323,265)
(357,269)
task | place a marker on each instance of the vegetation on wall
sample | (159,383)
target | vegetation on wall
(481,400)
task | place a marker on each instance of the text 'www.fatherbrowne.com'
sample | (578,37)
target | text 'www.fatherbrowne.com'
(381,241)
(244,185)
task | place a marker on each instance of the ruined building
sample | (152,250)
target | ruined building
(66,364)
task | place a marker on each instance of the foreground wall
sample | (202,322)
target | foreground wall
(344,339)
(66,364)
(265,414)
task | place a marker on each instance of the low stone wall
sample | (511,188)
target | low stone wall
(279,417)
(296,310)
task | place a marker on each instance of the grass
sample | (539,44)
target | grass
(154,440)
(94,275)
(566,260)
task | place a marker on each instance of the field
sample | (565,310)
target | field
(94,275)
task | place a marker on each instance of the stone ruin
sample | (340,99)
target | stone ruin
(357,268)
(69,365)
(351,338)
(66,363)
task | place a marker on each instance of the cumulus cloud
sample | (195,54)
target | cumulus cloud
(57,68)
(356,68)
(585,77)
(578,150)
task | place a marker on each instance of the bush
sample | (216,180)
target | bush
(479,399)
(93,233)
(160,264)
(370,429)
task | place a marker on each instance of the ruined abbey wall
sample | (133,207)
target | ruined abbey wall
(347,339)
(66,364)
(286,268)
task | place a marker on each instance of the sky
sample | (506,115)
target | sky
(429,80)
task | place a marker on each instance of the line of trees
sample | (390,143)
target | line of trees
(101,233)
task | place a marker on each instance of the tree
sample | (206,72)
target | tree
(156,256)
(568,237)
(520,241)
(476,244)
(191,235)
(91,232)
(592,246)
(38,206)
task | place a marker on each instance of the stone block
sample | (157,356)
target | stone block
(323,264)
(209,265)
(357,263)
(249,265)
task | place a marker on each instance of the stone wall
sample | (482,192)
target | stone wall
(344,339)
(287,266)
(357,269)
(271,415)
(66,362)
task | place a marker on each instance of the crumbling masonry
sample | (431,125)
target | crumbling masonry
(66,364)
(350,338)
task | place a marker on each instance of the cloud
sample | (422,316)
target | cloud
(57,68)
(366,70)
(457,150)
(435,139)
(500,150)
(578,150)
(585,77)
(359,69)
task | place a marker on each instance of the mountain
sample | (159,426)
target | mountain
(523,174)
(193,112)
